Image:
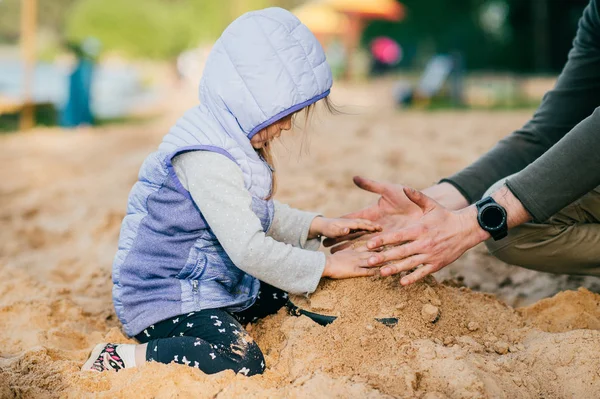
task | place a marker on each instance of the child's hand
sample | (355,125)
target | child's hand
(340,227)
(348,264)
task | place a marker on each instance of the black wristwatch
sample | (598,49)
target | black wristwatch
(492,218)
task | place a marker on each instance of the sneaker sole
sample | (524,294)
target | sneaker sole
(93,356)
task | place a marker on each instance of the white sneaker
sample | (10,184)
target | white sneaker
(104,357)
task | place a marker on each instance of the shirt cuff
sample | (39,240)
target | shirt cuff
(315,243)
(460,189)
(314,283)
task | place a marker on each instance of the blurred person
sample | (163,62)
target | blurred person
(437,71)
(540,187)
(77,110)
(204,248)
(385,54)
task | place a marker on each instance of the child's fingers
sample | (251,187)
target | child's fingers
(365,225)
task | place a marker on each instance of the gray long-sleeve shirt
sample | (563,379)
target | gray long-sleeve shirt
(558,151)
(283,257)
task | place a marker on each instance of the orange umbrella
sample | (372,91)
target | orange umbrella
(371,9)
(322,20)
(358,12)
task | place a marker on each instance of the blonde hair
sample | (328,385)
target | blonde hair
(266,152)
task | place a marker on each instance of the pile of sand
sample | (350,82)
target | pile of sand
(449,342)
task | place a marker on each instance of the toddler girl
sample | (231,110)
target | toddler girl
(203,248)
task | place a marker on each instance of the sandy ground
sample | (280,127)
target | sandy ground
(63,196)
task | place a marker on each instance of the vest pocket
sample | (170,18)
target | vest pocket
(193,270)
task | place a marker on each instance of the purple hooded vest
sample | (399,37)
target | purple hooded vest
(265,66)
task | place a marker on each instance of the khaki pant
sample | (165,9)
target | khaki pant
(567,243)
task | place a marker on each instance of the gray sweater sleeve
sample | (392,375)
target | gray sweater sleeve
(216,185)
(558,151)
(292,226)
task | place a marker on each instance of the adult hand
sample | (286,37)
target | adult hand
(392,210)
(436,239)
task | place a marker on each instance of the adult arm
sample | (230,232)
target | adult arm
(567,117)
(559,150)
(439,236)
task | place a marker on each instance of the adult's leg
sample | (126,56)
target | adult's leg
(211,340)
(567,243)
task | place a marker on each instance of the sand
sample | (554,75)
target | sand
(62,198)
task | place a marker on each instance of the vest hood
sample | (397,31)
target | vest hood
(265,66)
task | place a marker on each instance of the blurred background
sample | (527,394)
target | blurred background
(81,62)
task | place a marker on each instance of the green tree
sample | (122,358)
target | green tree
(150,28)
(154,28)
(530,43)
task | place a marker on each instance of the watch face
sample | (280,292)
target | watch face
(492,216)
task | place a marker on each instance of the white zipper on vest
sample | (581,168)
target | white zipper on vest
(195,285)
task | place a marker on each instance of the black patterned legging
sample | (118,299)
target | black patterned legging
(213,340)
